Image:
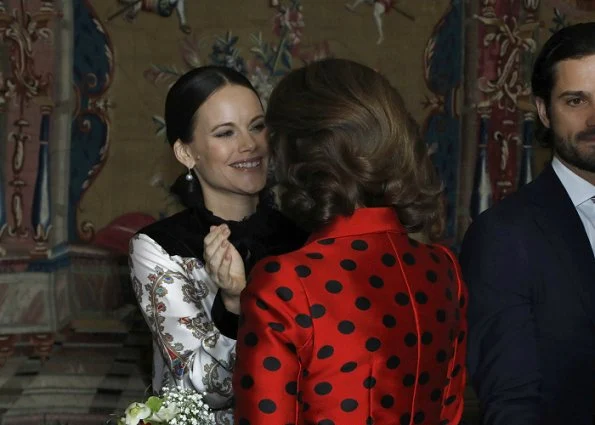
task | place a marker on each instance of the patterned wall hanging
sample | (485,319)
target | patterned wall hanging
(442,127)
(26,105)
(506,32)
(90,132)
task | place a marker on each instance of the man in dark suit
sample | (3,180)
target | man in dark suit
(529,261)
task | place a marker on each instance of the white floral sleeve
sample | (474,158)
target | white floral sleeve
(176,295)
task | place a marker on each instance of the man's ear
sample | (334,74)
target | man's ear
(183,154)
(542,111)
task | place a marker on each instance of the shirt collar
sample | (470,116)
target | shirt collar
(363,220)
(579,190)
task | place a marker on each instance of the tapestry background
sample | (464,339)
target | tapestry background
(84,163)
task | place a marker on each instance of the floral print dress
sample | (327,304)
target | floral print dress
(193,335)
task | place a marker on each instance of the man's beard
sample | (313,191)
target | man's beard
(569,150)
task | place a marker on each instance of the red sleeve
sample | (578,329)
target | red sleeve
(273,342)
(453,401)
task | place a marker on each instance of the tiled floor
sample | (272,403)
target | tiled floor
(89,376)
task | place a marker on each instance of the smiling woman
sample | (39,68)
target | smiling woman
(228,151)
(215,124)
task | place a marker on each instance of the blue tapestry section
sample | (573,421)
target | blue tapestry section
(89,130)
(443,126)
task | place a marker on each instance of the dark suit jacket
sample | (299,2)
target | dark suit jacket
(531,276)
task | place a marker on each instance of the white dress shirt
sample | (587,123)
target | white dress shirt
(582,194)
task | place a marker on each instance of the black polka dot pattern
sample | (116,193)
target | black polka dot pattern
(389,321)
(419,418)
(369,382)
(360,311)
(456,371)
(376,281)
(317,311)
(271,363)
(246,382)
(393,362)
(250,339)
(333,286)
(323,388)
(409,380)
(291,388)
(402,299)
(359,245)
(261,305)
(448,294)
(348,265)
(267,406)
(450,400)
(388,260)
(373,344)
(387,401)
(303,271)
(284,293)
(349,367)
(327,241)
(426,338)
(349,405)
(421,297)
(441,356)
(303,320)
(408,259)
(272,267)
(431,276)
(325,352)
(410,340)
(346,327)
(362,303)
(278,327)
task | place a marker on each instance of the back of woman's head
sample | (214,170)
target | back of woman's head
(341,138)
(183,100)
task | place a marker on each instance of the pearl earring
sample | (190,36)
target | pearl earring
(189,176)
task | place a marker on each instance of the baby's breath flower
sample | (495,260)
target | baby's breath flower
(177,406)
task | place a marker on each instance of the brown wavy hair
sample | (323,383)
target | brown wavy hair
(341,138)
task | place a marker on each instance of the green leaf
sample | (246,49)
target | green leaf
(154,403)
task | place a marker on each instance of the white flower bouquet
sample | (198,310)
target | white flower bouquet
(176,406)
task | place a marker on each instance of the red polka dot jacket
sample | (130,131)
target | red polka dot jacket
(363,325)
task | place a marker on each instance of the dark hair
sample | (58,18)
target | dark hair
(342,138)
(572,42)
(184,98)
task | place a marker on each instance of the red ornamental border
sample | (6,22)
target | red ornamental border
(505,39)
